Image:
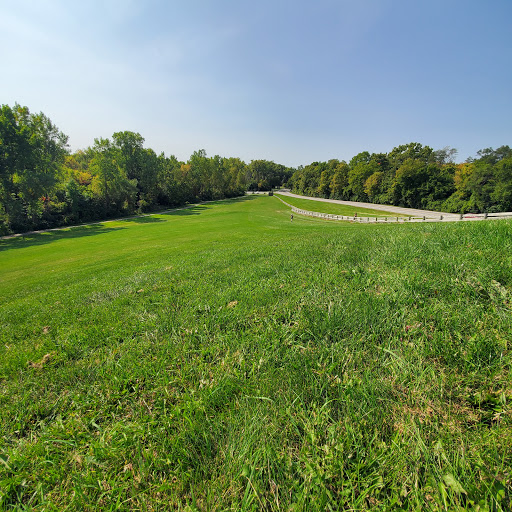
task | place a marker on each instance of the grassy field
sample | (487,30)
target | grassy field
(224,358)
(335,208)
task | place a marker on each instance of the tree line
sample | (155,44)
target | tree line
(44,185)
(415,176)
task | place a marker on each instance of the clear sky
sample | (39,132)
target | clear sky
(291,81)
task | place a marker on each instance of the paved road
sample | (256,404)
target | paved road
(428,214)
(383,207)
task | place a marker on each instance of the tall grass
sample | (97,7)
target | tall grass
(228,359)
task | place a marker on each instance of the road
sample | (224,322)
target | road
(413,212)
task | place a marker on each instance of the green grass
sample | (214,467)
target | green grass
(224,358)
(335,208)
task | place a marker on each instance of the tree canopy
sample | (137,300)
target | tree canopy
(416,176)
(43,184)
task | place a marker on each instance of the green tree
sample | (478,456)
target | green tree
(445,156)
(117,193)
(324,186)
(411,151)
(308,180)
(339,181)
(493,156)
(138,164)
(171,189)
(265,174)
(199,175)
(31,151)
(236,171)
(423,186)
(372,186)
(489,182)
(361,168)
(326,174)
(410,176)
(502,194)
(148,182)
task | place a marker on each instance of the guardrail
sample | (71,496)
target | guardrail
(389,218)
(354,218)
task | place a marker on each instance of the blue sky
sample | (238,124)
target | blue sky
(289,81)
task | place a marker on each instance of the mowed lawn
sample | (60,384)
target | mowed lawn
(335,208)
(225,358)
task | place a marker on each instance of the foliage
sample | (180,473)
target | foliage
(415,176)
(31,150)
(265,175)
(42,185)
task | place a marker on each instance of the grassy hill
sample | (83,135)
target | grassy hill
(224,358)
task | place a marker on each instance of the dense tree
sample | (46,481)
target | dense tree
(372,186)
(110,182)
(170,188)
(412,151)
(236,176)
(501,196)
(362,166)
(31,151)
(326,176)
(415,176)
(410,183)
(265,175)
(339,181)
(42,185)
(489,181)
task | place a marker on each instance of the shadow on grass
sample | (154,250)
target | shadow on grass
(46,237)
(144,220)
(186,210)
(199,208)
(239,199)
